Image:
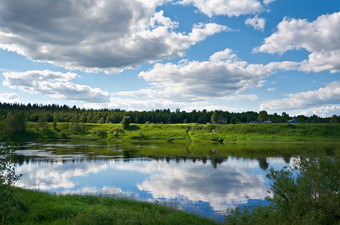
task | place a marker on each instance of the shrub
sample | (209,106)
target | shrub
(306,193)
(76,128)
(97,132)
(116,131)
(7,179)
(126,122)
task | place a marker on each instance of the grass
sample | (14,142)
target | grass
(42,208)
(186,133)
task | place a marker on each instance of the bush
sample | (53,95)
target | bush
(97,132)
(16,123)
(7,179)
(126,122)
(76,128)
(306,193)
(116,132)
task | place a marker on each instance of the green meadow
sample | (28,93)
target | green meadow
(182,133)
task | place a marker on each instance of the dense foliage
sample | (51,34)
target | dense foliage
(58,113)
(7,179)
(306,193)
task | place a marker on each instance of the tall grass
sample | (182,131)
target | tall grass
(43,208)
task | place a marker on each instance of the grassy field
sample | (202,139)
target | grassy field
(41,208)
(185,132)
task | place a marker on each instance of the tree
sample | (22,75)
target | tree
(16,123)
(7,179)
(214,117)
(126,122)
(263,116)
(233,120)
(334,119)
(306,193)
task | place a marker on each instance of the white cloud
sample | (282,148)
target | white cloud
(225,7)
(267,2)
(222,75)
(270,89)
(98,35)
(321,38)
(256,22)
(305,100)
(322,111)
(54,84)
(9,97)
(240,97)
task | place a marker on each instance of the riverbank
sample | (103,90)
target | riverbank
(184,133)
(33,207)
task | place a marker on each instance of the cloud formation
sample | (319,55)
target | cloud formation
(223,74)
(225,7)
(321,38)
(98,35)
(304,100)
(9,97)
(256,22)
(54,84)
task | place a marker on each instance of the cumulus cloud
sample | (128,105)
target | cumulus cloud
(223,74)
(98,35)
(304,100)
(54,84)
(256,22)
(322,111)
(240,97)
(9,97)
(267,2)
(225,7)
(321,38)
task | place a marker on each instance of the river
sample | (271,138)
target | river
(201,179)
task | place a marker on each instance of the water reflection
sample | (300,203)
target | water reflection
(205,181)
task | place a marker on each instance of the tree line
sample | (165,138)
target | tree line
(63,113)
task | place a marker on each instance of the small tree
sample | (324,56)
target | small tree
(334,119)
(263,116)
(233,120)
(214,117)
(7,179)
(126,122)
(15,123)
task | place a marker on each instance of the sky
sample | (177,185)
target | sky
(231,55)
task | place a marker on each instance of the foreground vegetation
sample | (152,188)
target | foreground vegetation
(307,193)
(181,133)
(42,208)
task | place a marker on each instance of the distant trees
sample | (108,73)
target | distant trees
(263,116)
(51,113)
(334,119)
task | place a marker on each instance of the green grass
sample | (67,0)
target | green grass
(186,133)
(42,208)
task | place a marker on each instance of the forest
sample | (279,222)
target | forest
(64,113)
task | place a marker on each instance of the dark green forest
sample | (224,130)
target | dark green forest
(64,113)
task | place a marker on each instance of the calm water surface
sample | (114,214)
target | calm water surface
(201,179)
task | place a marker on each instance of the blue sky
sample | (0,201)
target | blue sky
(233,55)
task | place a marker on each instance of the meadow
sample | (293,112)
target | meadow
(183,133)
